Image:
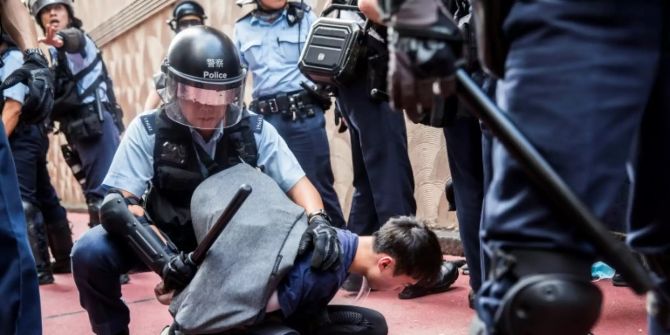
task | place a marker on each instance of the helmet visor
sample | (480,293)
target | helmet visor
(207,107)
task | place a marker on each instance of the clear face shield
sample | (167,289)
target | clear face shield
(205,106)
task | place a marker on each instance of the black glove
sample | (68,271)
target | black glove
(322,237)
(35,74)
(179,271)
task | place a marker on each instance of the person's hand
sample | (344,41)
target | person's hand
(52,38)
(322,238)
(179,271)
(163,295)
(35,74)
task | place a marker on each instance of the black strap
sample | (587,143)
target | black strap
(211,166)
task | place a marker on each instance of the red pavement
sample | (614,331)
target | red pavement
(441,314)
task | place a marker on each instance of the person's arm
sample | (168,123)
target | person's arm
(305,195)
(17,23)
(10,115)
(371,9)
(153,101)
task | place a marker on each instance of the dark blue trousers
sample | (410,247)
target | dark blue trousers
(30,144)
(383,180)
(588,82)
(97,262)
(96,156)
(20,307)
(464,151)
(307,139)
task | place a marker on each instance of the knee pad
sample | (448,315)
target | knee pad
(549,304)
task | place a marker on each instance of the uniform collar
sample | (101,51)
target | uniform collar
(255,20)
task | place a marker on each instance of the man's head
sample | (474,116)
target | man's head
(186,13)
(204,80)
(407,252)
(57,14)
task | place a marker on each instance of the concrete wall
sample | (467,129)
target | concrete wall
(133,52)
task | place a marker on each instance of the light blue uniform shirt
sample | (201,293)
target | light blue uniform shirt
(79,61)
(270,50)
(13,60)
(133,164)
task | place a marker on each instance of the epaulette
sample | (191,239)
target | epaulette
(149,122)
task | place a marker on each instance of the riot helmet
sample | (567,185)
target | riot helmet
(204,79)
(36,7)
(183,9)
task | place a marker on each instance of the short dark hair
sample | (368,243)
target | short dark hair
(413,245)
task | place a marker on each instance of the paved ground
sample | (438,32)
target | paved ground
(441,314)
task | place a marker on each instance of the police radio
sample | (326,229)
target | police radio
(334,47)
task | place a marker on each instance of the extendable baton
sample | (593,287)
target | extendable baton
(198,255)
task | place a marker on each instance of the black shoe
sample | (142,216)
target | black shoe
(618,281)
(124,279)
(448,275)
(45,277)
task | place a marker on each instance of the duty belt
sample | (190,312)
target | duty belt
(290,105)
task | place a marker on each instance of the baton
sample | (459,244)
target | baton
(545,178)
(198,255)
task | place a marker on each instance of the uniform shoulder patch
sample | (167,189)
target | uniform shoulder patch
(149,123)
(256,123)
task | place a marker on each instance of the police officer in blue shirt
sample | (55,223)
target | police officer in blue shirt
(29,143)
(85,105)
(20,309)
(383,179)
(201,128)
(270,40)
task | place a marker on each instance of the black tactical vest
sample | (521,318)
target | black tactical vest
(177,171)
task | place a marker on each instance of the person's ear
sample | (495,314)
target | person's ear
(385,263)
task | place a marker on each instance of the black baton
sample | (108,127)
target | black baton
(545,178)
(198,255)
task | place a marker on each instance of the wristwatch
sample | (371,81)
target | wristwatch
(319,212)
(30,51)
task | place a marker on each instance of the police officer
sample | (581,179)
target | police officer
(383,179)
(201,129)
(270,39)
(29,144)
(85,106)
(595,113)
(186,13)
(20,310)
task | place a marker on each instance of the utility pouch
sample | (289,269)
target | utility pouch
(87,127)
(333,49)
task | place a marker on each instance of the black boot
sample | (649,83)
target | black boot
(60,243)
(38,243)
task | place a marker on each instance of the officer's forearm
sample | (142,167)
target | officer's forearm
(17,23)
(371,10)
(10,115)
(305,194)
